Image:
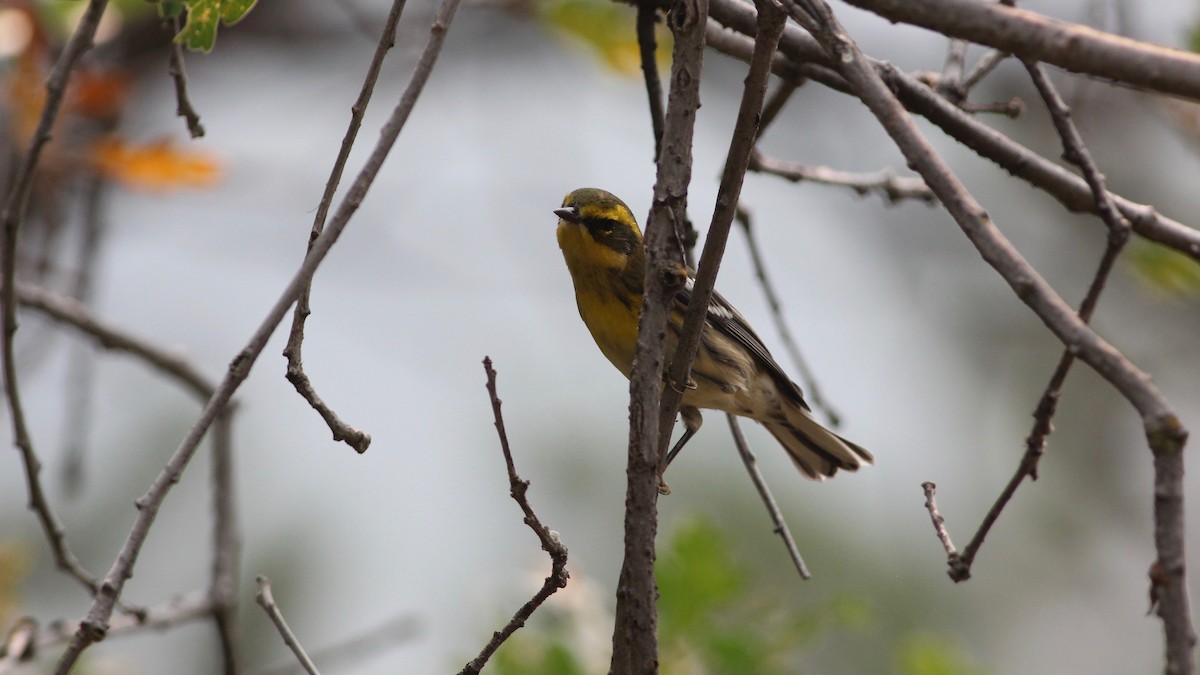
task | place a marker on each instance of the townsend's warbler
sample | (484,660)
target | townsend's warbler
(733,371)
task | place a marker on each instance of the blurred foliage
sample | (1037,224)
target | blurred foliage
(607,28)
(930,655)
(1165,270)
(199,32)
(716,616)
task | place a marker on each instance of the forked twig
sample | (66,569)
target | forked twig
(342,431)
(93,627)
(550,542)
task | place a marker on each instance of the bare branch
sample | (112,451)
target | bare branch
(397,629)
(183,103)
(764,491)
(939,523)
(1070,190)
(95,625)
(266,600)
(549,539)
(15,208)
(1076,152)
(1074,47)
(191,607)
(353,437)
(1164,430)
(647,16)
(983,67)
(72,313)
(741,145)
(635,640)
(886,183)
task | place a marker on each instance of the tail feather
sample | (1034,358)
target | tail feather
(817,451)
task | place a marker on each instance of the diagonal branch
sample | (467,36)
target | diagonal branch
(94,626)
(266,600)
(1164,431)
(1076,152)
(805,57)
(764,491)
(549,538)
(293,351)
(1074,47)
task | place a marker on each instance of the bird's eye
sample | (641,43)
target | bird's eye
(604,225)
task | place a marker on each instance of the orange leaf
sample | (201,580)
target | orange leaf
(153,166)
(98,93)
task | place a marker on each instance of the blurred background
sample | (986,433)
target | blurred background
(932,362)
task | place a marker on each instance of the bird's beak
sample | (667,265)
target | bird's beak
(569,215)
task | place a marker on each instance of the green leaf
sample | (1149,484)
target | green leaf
(1167,271)
(200,31)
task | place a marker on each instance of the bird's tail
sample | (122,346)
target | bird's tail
(816,450)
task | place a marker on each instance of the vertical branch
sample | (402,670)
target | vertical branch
(226,542)
(647,16)
(15,207)
(771,20)
(183,103)
(81,366)
(635,640)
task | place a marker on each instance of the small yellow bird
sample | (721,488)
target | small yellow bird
(733,372)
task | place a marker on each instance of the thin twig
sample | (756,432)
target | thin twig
(342,431)
(1075,152)
(886,183)
(647,17)
(95,624)
(183,103)
(550,542)
(15,208)
(775,102)
(71,312)
(764,491)
(983,67)
(266,600)
(950,84)
(815,395)
(396,630)
(190,607)
(939,523)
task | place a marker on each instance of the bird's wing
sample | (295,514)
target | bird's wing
(725,318)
